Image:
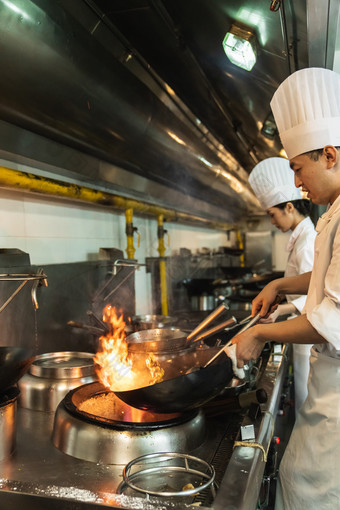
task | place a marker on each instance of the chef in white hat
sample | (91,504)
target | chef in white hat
(306,109)
(272,181)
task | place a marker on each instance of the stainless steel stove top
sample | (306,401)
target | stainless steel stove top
(38,475)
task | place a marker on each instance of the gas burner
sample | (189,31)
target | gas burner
(92,424)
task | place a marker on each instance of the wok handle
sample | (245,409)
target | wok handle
(250,323)
(216,329)
(215,313)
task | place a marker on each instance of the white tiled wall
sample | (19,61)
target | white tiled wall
(56,231)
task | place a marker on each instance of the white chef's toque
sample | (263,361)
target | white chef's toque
(306,109)
(272,181)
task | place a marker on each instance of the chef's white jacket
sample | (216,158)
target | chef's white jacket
(323,299)
(301,255)
(309,470)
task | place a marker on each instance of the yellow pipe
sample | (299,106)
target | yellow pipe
(26,181)
(162,265)
(130,249)
(240,245)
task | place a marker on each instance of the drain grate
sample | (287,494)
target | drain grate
(221,458)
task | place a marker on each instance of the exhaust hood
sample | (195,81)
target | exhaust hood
(117,95)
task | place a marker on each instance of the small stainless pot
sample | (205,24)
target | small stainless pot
(52,375)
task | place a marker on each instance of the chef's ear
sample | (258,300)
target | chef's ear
(289,207)
(331,155)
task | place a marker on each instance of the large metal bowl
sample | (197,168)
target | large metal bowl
(141,322)
(160,340)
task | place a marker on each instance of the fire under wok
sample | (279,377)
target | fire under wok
(186,391)
(14,362)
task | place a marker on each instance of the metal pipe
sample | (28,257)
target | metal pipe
(129,230)
(162,266)
(16,179)
(241,246)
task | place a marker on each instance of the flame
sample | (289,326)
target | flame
(115,366)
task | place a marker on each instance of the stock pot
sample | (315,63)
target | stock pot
(52,375)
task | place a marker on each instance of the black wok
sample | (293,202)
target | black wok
(14,362)
(187,391)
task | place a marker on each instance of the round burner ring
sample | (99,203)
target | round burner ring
(139,474)
(111,441)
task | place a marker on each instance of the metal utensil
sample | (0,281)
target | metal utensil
(248,325)
(91,329)
(215,313)
(227,325)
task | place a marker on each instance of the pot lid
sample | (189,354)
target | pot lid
(63,365)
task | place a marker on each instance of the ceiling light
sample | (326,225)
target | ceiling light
(269,129)
(239,45)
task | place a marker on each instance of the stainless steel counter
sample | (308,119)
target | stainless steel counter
(39,476)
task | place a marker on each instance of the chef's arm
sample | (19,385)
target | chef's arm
(298,331)
(295,331)
(267,300)
(284,309)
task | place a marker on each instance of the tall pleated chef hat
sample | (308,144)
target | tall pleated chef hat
(272,181)
(306,109)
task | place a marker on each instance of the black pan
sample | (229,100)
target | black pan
(188,391)
(14,362)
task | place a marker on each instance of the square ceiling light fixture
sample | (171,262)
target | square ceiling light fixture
(239,45)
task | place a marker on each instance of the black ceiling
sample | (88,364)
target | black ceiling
(182,42)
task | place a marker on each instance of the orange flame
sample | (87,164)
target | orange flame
(115,367)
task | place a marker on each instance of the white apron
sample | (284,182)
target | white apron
(310,468)
(301,255)
(301,353)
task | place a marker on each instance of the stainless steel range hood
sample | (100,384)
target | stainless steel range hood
(71,102)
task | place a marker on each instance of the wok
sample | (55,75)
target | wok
(14,362)
(187,391)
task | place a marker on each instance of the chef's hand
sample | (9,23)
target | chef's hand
(272,317)
(248,346)
(266,302)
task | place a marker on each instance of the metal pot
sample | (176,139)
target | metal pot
(52,375)
(240,305)
(204,302)
(157,340)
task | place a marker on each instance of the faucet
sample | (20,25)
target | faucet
(39,279)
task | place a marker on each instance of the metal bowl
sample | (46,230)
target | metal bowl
(141,322)
(157,340)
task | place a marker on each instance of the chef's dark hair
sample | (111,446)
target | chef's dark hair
(315,155)
(303,206)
